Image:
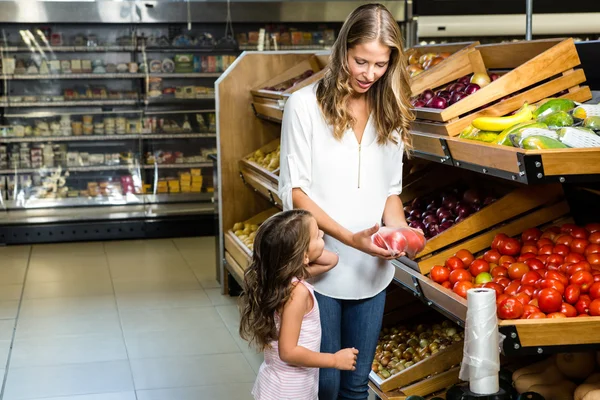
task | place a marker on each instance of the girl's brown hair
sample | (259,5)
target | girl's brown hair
(389,97)
(280,246)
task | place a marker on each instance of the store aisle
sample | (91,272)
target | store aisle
(119,321)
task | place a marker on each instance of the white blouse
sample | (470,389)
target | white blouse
(349,181)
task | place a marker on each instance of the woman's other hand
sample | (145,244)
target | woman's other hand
(362,241)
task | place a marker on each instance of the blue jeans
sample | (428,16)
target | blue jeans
(349,323)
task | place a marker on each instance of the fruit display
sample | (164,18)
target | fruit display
(553,273)
(435,213)
(283,86)
(562,376)
(400,240)
(246,233)
(269,161)
(417,62)
(453,92)
(556,124)
(401,347)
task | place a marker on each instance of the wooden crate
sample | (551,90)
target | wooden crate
(452,68)
(269,104)
(428,375)
(512,202)
(236,249)
(272,176)
(265,187)
(537,70)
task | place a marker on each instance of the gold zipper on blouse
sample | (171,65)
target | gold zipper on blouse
(359,145)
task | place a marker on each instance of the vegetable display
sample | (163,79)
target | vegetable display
(542,274)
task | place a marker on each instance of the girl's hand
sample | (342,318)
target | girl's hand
(362,241)
(346,359)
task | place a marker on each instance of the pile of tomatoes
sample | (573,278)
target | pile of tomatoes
(550,274)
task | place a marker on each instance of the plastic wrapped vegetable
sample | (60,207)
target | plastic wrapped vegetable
(504,137)
(557,119)
(400,240)
(541,143)
(579,137)
(517,137)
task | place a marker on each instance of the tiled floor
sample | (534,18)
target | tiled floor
(119,321)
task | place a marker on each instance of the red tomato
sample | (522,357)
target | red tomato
(595,291)
(544,242)
(447,285)
(460,288)
(594,237)
(517,270)
(531,234)
(568,228)
(549,300)
(498,240)
(510,247)
(454,263)
(552,266)
(557,276)
(593,227)
(572,293)
(529,249)
(542,257)
(440,274)
(459,275)
(524,298)
(530,243)
(529,290)
(579,245)
(510,308)
(537,315)
(499,271)
(553,284)
(465,256)
(530,278)
(583,305)
(502,281)
(579,233)
(580,266)
(550,235)
(568,310)
(492,285)
(596,276)
(528,310)
(555,259)
(561,249)
(582,278)
(501,298)
(593,259)
(492,256)
(574,258)
(512,288)
(478,266)
(534,302)
(592,248)
(534,264)
(556,315)
(525,256)
(565,239)
(564,268)
(546,250)
(595,308)
(506,259)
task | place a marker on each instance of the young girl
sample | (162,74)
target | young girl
(280,314)
(342,142)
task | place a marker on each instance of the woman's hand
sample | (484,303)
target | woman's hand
(362,241)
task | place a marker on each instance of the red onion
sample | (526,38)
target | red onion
(444,214)
(431,207)
(430,219)
(437,102)
(407,209)
(417,225)
(464,212)
(489,200)
(472,196)
(465,80)
(433,229)
(419,103)
(445,94)
(457,87)
(445,225)
(427,95)
(459,219)
(472,88)
(457,96)
(494,76)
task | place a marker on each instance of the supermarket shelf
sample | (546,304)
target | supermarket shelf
(117,200)
(98,168)
(287,47)
(214,50)
(173,100)
(69,49)
(156,136)
(82,103)
(124,75)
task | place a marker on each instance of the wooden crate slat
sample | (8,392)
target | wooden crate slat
(551,332)
(262,186)
(237,251)
(259,169)
(511,55)
(391,395)
(270,111)
(234,269)
(485,154)
(428,144)
(311,63)
(433,384)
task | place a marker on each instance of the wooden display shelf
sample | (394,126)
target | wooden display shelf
(452,68)
(272,176)
(523,336)
(538,69)
(429,375)
(262,186)
(518,165)
(512,202)
(399,395)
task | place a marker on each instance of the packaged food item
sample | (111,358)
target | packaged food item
(400,240)
(77,127)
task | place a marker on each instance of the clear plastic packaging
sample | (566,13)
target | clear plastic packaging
(400,240)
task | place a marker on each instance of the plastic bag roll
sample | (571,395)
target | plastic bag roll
(481,354)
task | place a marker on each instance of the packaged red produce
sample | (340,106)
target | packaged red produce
(400,240)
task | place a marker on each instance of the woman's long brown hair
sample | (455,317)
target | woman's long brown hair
(388,98)
(280,246)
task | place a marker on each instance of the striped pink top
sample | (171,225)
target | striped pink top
(278,380)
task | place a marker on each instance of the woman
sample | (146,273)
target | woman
(342,144)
